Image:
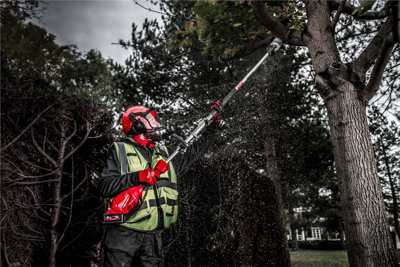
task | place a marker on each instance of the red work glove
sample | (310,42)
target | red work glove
(126,200)
(150,176)
(161,167)
(217,107)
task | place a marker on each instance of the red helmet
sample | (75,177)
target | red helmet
(143,123)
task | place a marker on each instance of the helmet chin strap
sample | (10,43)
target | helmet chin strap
(141,140)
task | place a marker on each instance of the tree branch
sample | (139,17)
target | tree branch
(36,202)
(96,137)
(35,176)
(37,166)
(287,36)
(149,9)
(44,154)
(72,134)
(26,128)
(36,183)
(4,248)
(88,130)
(71,202)
(76,237)
(349,9)
(78,186)
(50,144)
(379,67)
(374,48)
(337,15)
(252,47)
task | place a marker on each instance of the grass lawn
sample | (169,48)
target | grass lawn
(317,258)
(321,258)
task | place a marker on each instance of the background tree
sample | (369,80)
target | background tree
(43,176)
(387,152)
(29,51)
(231,205)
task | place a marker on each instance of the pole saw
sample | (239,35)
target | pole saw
(128,201)
(271,49)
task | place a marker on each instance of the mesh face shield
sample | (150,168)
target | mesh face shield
(153,124)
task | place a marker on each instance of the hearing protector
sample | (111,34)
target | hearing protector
(137,125)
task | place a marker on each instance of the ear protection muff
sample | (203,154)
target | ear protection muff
(137,125)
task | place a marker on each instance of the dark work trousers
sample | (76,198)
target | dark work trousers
(126,247)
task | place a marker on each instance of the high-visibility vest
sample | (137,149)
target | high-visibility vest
(160,202)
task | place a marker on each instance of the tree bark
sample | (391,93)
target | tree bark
(57,197)
(55,218)
(366,227)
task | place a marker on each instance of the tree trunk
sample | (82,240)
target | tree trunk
(189,241)
(341,232)
(57,199)
(55,217)
(366,226)
(279,254)
(295,243)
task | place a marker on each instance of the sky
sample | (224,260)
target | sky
(95,24)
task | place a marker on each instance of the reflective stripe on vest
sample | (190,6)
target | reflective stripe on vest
(163,194)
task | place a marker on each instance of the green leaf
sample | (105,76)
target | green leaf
(365,6)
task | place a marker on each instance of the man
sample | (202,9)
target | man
(135,166)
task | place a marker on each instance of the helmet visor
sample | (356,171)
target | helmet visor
(153,124)
(152,121)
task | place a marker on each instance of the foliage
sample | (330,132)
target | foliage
(213,20)
(167,77)
(30,52)
(233,207)
(54,136)
(230,27)
(365,6)
(41,133)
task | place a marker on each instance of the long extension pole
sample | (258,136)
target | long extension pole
(271,49)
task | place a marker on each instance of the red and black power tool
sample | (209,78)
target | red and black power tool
(124,205)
